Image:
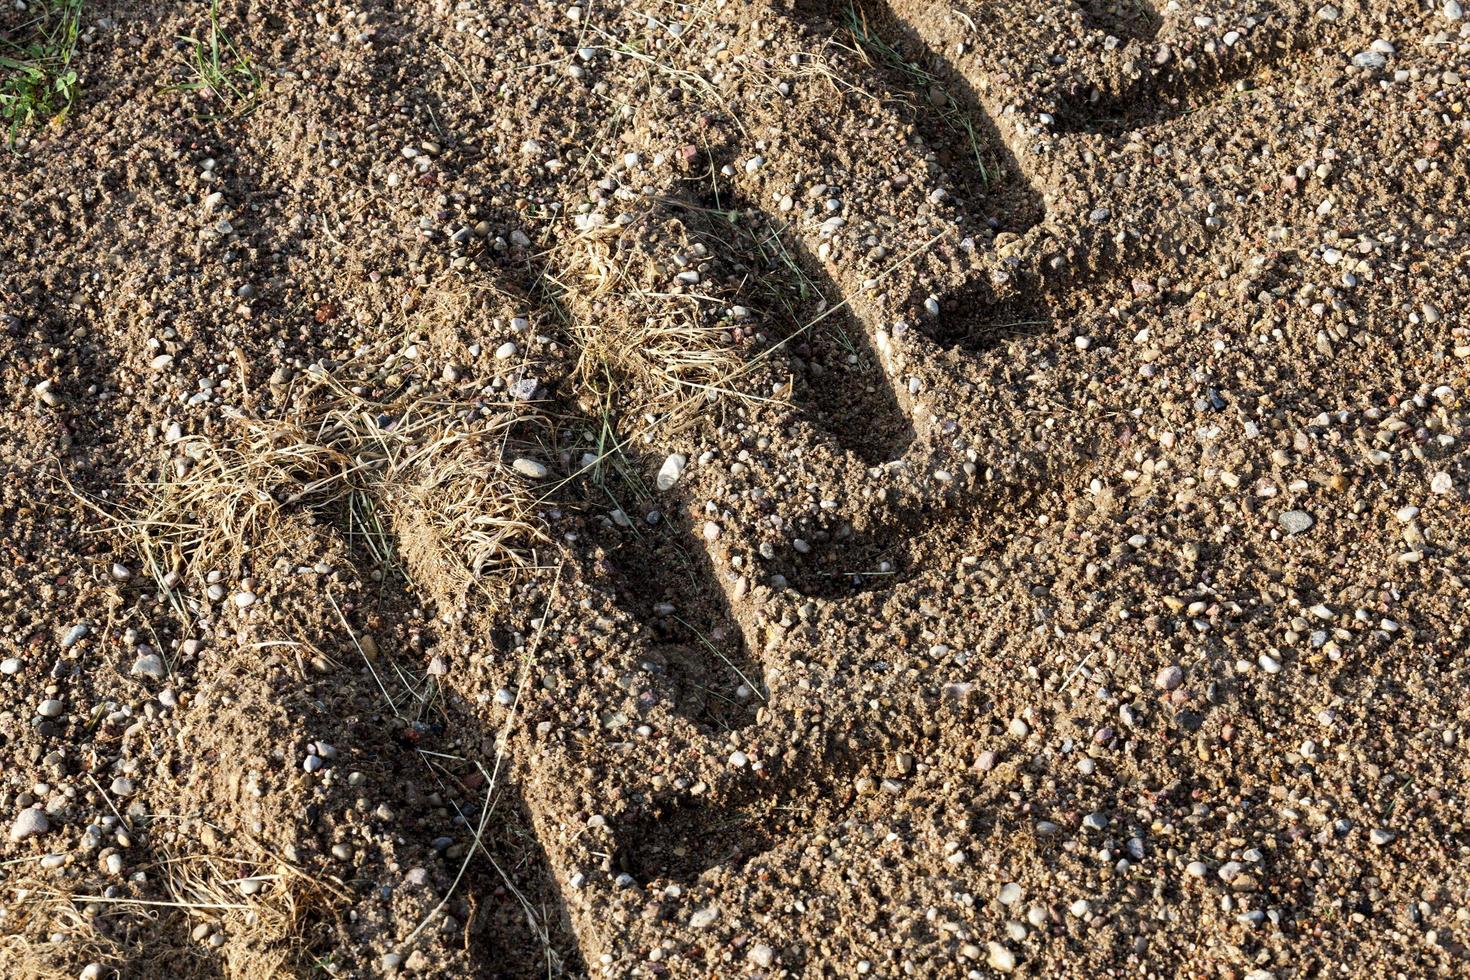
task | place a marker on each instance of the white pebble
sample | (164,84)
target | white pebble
(999,958)
(30,822)
(149,665)
(669,473)
(530,467)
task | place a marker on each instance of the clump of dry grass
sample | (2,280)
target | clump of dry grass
(360,434)
(50,927)
(653,349)
(265,932)
(46,936)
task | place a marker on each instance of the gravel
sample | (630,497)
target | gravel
(1148,569)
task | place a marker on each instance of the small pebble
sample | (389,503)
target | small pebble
(669,473)
(999,958)
(149,665)
(1296,521)
(530,468)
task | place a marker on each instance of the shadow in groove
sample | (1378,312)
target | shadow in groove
(1125,20)
(812,783)
(663,576)
(820,342)
(941,103)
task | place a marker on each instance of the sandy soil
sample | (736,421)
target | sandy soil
(773,488)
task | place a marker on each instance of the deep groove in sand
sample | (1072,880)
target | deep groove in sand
(1159,99)
(675,844)
(698,647)
(838,381)
(696,834)
(662,575)
(1124,19)
(1006,200)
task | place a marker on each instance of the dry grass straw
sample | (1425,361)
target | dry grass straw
(265,934)
(649,351)
(366,432)
(32,913)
